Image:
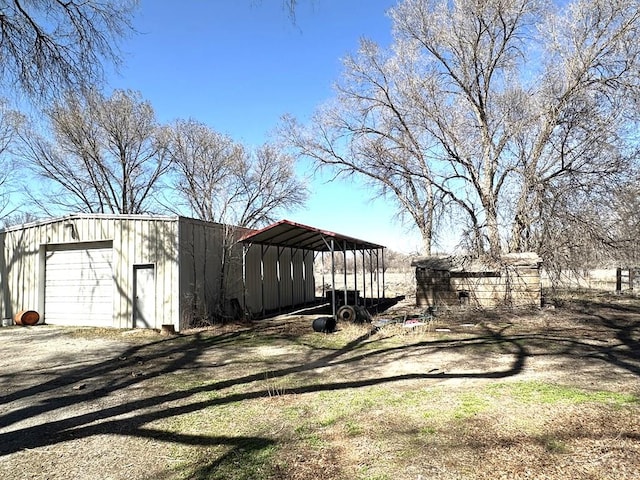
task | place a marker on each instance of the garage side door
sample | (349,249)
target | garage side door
(79,285)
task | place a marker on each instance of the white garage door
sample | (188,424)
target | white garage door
(79,285)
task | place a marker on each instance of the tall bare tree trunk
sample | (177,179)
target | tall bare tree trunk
(427,237)
(493,232)
(519,240)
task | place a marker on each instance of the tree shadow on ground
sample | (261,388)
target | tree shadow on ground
(70,412)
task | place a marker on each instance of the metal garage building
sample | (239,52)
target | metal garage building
(139,271)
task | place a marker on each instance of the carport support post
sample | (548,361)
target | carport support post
(344,269)
(379,275)
(364,280)
(333,279)
(384,293)
(244,278)
(355,275)
(324,292)
(292,253)
(279,252)
(371,275)
(305,279)
(377,260)
(262,277)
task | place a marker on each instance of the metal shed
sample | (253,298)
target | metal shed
(131,271)
(307,242)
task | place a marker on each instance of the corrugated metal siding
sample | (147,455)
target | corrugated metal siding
(253,294)
(200,268)
(79,284)
(293,284)
(21,266)
(186,254)
(141,242)
(234,282)
(136,240)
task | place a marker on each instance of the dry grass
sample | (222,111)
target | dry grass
(550,394)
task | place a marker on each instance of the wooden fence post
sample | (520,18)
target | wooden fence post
(618,280)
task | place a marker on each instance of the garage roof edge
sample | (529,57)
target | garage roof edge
(90,216)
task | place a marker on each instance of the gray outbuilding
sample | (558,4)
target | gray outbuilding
(133,271)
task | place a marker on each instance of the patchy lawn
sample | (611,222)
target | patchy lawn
(551,393)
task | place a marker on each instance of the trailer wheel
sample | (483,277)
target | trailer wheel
(346,313)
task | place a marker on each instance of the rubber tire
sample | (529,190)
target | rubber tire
(346,313)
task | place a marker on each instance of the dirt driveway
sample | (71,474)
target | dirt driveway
(85,403)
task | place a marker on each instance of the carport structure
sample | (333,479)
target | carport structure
(286,234)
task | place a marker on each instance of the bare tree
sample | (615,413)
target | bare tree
(581,137)
(204,161)
(223,182)
(106,155)
(487,108)
(625,223)
(9,123)
(267,186)
(50,46)
(371,131)
(581,233)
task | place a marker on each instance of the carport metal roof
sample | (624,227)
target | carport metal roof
(286,233)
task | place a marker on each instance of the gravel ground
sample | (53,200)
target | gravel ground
(76,404)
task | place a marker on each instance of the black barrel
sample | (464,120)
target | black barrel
(324,324)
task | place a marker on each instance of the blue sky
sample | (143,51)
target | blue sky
(240,65)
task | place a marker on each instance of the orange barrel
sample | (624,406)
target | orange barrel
(26,317)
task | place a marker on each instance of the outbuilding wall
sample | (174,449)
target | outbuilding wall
(278,277)
(185,256)
(135,241)
(514,282)
(147,241)
(200,258)
(265,279)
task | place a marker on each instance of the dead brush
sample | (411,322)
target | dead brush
(275,388)
(354,330)
(423,328)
